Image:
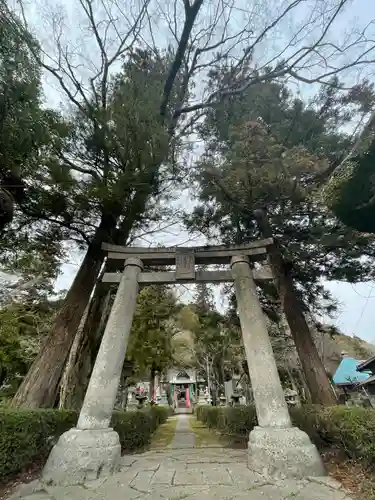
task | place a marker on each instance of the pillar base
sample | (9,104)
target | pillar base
(82,455)
(283,452)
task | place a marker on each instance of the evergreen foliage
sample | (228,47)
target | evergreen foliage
(350,192)
(267,149)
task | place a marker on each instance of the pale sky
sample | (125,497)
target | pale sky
(357,310)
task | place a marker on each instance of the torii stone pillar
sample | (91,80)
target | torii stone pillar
(275,446)
(92,449)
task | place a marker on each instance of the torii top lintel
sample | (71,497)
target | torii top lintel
(185,259)
(182,256)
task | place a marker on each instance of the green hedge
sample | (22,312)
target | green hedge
(135,428)
(27,436)
(233,421)
(351,429)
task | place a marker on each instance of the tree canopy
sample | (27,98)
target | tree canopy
(266,149)
(349,192)
(150,344)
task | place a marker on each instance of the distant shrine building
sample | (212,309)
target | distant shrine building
(184,385)
(178,387)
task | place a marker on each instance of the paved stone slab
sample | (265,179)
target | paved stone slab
(146,463)
(187,477)
(113,490)
(216,474)
(164,475)
(183,438)
(284,489)
(220,456)
(70,492)
(188,473)
(28,489)
(94,485)
(141,481)
(315,491)
(245,478)
(177,492)
(218,492)
(38,496)
(127,461)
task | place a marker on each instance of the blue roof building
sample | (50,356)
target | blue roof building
(347,374)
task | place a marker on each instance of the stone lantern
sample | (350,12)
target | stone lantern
(141,398)
(235,397)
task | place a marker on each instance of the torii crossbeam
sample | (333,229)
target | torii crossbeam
(184,259)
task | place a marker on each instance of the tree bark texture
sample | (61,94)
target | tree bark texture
(306,391)
(71,362)
(317,380)
(78,370)
(40,386)
(122,393)
(152,385)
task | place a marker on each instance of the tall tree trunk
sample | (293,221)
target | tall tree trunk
(317,380)
(78,371)
(169,397)
(3,376)
(71,363)
(40,386)
(124,397)
(152,385)
(122,393)
(293,383)
(306,390)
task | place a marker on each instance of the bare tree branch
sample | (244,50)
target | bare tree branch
(308,57)
(191,13)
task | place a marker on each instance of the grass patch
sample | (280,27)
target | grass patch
(164,435)
(206,437)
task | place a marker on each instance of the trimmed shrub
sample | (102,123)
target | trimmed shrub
(208,414)
(135,428)
(27,436)
(307,418)
(160,413)
(350,429)
(237,421)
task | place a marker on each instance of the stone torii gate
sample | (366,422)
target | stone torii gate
(92,449)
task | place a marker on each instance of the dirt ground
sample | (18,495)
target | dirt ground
(353,475)
(25,476)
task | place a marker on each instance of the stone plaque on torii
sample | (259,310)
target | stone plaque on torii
(93,448)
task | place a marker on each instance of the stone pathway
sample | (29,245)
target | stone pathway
(183,438)
(183,472)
